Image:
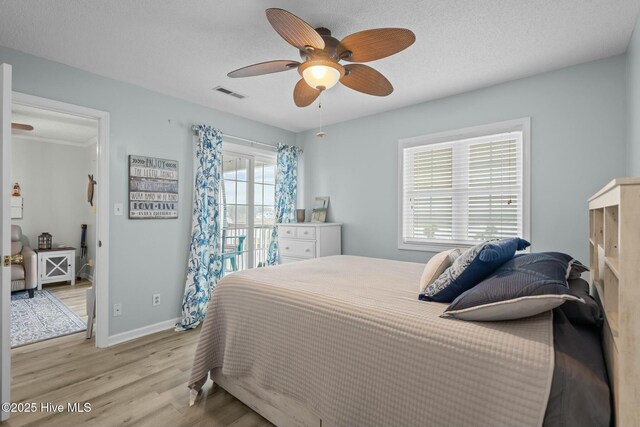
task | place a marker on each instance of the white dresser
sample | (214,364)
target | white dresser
(305,240)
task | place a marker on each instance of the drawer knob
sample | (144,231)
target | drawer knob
(308,250)
(288,231)
(287,248)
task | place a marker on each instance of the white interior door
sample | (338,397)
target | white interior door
(5,236)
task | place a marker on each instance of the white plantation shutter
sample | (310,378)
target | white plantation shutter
(462,191)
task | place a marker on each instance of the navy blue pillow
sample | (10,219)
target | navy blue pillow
(524,286)
(470,268)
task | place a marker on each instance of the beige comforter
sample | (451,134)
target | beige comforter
(348,337)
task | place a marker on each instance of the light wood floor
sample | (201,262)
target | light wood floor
(141,383)
(74,297)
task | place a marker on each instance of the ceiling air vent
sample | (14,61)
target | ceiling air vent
(228,92)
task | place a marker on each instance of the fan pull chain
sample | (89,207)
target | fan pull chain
(321,133)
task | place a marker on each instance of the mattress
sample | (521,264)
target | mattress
(347,337)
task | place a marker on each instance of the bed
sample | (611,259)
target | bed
(344,341)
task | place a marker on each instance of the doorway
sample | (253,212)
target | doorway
(100,273)
(53,223)
(8,99)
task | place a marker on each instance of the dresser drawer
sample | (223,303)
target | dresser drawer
(287,260)
(287,232)
(306,233)
(297,248)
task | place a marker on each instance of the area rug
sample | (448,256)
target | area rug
(41,318)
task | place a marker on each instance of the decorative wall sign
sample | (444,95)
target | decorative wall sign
(153,188)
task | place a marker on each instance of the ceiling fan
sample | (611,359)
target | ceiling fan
(21,126)
(322,53)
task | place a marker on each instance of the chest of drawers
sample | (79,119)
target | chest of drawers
(298,241)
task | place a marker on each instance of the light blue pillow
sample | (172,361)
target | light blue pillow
(472,267)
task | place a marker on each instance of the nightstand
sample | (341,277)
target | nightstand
(56,265)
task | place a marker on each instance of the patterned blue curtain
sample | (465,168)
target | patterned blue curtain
(286,191)
(205,265)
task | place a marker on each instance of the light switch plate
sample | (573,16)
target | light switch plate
(118,209)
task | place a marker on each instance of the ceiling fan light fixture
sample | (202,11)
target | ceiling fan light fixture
(321,73)
(322,53)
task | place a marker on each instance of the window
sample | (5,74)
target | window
(459,188)
(248,201)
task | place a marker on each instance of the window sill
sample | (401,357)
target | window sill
(432,246)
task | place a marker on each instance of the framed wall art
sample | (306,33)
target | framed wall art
(320,208)
(153,188)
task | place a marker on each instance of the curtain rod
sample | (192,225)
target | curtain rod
(195,128)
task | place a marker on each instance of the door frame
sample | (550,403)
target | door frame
(101,269)
(251,153)
(5,232)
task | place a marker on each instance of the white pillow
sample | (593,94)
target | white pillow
(436,266)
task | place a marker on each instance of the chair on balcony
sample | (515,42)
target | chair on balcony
(232,252)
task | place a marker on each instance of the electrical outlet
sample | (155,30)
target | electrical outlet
(117,310)
(155,299)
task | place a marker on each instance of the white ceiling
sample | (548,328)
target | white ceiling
(185,48)
(54,127)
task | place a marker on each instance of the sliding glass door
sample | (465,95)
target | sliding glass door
(248,199)
(264,208)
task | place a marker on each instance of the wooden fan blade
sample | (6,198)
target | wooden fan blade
(21,126)
(303,94)
(375,44)
(264,68)
(294,30)
(365,79)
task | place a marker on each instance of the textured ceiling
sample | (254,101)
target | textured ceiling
(54,127)
(185,48)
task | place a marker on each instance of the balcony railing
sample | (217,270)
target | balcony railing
(261,240)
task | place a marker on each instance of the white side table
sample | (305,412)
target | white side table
(56,265)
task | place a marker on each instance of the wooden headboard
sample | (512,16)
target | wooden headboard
(614,252)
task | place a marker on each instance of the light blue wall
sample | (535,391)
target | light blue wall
(146,256)
(633,102)
(578,144)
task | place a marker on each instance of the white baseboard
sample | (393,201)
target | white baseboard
(141,332)
(85,276)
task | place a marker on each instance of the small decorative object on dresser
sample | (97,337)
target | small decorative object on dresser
(320,208)
(56,265)
(300,214)
(299,241)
